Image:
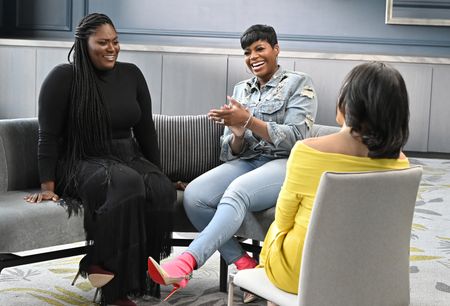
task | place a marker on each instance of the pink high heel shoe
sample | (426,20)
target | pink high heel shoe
(176,272)
(246,262)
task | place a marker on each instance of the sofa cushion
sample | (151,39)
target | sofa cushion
(189,145)
(25,226)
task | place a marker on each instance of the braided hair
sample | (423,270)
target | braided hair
(88,126)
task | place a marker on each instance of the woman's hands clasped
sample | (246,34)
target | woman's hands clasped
(233,115)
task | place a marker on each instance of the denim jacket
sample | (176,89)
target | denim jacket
(287,103)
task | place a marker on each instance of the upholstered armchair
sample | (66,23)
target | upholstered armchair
(356,251)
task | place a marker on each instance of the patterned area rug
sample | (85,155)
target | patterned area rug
(48,283)
(430,237)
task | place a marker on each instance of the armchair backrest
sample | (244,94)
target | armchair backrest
(357,245)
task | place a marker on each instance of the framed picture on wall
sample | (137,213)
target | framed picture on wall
(418,12)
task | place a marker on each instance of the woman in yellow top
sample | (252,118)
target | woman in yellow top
(374,113)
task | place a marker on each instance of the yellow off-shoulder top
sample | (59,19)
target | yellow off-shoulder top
(283,245)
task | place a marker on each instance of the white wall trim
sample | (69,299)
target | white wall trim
(237,52)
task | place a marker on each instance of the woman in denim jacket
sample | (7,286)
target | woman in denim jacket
(263,120)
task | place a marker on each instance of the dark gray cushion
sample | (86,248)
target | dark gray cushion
(25,226)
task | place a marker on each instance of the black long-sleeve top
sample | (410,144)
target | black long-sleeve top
(127,99)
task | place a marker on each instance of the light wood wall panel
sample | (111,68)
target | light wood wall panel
(418,83)
(190,84)
(46,60)
(193,84)
(327,76)
(151,66)
(439,136)
(17,82)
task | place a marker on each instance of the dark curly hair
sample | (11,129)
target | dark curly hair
(258,32)
(375,103)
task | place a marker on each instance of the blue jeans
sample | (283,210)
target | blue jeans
(217,202)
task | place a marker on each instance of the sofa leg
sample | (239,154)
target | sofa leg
(255,254)
(223,276)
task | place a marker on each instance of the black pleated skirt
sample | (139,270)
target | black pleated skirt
(127,204)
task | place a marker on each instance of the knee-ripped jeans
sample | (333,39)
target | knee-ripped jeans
(217,202)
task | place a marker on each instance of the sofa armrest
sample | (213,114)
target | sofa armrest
(18,154)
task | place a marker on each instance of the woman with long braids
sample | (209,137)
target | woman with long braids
(98,155)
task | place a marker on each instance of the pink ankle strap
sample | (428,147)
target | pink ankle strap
(245,262)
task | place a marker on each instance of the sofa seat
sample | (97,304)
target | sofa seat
(25,226)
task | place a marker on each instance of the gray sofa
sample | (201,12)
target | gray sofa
(189,146)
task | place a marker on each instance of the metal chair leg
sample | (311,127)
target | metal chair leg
(223,276)
(255,254)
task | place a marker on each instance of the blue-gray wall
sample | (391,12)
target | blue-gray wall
(343,26)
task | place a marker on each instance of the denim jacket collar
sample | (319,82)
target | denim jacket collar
(252,84)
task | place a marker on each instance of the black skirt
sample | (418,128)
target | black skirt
(127,204)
